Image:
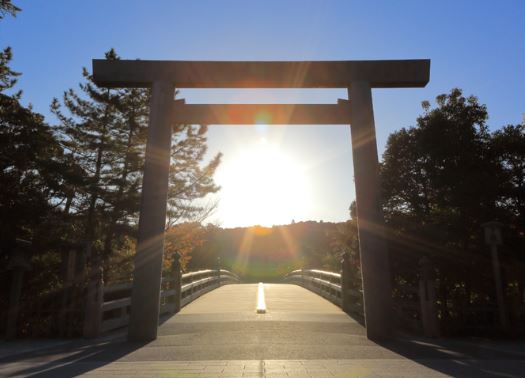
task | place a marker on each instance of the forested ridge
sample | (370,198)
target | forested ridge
(268,253)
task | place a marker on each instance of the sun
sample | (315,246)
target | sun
(262,185)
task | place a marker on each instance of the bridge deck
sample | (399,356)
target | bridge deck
(302,335)
(223,325)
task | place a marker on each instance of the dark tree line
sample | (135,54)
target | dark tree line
(442,179)
(83,175)
(449,174)
(267,253)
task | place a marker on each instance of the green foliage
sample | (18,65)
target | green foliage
(33,170)
(105,132)
(89,136)
(188,180)
(264,253)
(344,239)
(441,180)
(509,147)
(7,75)
(8,8)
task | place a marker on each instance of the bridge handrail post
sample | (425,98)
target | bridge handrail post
(94,300)
(176,274)
(19,262)
(345,282)
(427,298)
(218,271)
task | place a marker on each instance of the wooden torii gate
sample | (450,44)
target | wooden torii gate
(359,77)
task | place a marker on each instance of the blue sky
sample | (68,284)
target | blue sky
(475,45)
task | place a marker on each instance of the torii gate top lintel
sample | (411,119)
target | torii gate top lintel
(262,74)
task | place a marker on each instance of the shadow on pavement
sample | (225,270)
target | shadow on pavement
(463,357)
(69,360)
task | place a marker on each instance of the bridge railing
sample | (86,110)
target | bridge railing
(414,305)
(327,284)
(194,284)
(176,292)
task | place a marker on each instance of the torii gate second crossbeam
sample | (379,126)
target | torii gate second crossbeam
(359,77)
(269,114)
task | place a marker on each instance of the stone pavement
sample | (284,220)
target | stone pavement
(301,335)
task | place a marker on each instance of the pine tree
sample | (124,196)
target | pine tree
(188,180)
(105,132)
(7,75)
(33,169)
(8,8)
(124,198)
(89,135)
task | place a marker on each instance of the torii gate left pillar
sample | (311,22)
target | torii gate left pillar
(358,76)
(152,221)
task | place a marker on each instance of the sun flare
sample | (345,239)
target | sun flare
(262,185)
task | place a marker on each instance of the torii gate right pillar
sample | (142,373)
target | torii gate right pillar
(375,270)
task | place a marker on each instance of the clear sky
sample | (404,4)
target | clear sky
(302,172)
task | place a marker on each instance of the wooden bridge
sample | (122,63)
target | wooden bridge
(220,331)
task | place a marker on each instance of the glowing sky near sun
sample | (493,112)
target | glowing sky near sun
(279,173)
(263,184)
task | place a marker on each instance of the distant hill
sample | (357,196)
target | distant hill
(266,252)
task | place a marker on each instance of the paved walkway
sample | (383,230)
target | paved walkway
(300,335)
